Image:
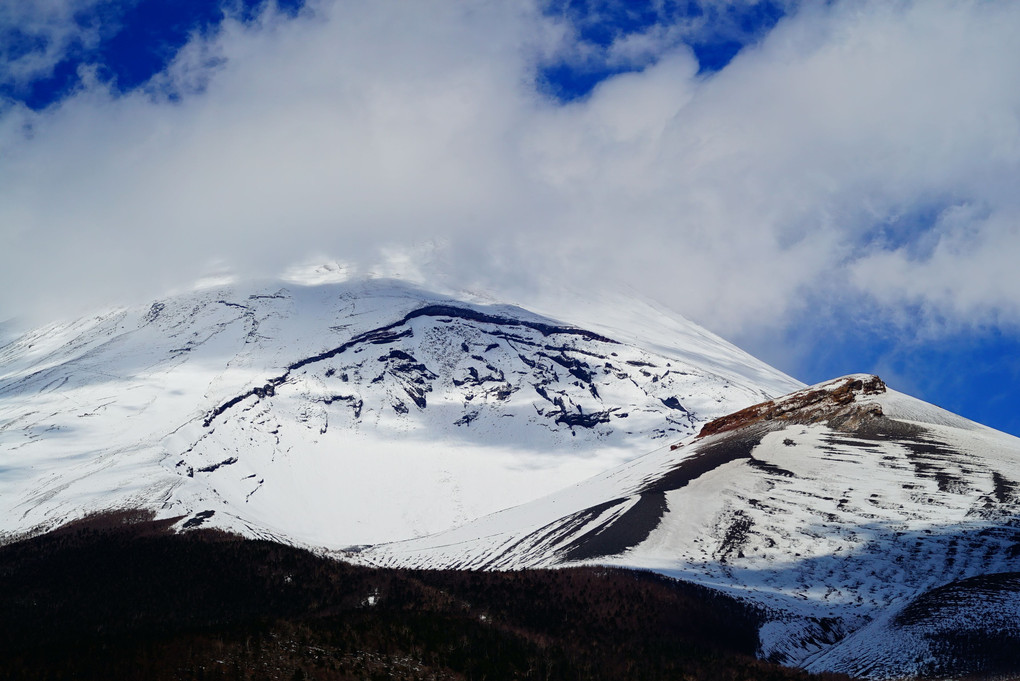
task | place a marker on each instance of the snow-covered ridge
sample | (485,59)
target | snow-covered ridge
(342,413)
(834,507)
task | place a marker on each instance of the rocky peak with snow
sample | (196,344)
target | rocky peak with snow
(342,413)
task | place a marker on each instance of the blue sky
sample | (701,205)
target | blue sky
(829,185)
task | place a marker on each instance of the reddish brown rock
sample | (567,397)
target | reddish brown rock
(836,400)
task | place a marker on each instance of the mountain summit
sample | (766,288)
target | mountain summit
(344,413)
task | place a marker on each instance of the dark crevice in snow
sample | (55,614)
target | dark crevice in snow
(154,312)
(674,403)
(198,519)
(210,468)
(580,419)
(733,542)
(1005,489)
(356,403)
(466,419)
(770,468)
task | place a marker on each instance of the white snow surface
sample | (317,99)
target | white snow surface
(831,531)
(313,414)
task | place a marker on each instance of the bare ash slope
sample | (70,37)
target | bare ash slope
(344,413)
(881,533)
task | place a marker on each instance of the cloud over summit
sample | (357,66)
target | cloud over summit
(864,153)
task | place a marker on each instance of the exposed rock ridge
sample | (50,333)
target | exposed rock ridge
(834,402)
(385,334)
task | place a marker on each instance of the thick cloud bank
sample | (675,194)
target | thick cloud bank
(864,154)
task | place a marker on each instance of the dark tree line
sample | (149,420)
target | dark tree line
(119,597)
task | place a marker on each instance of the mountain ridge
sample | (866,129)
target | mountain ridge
(833,508)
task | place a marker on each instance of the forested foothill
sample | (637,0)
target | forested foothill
(121,596)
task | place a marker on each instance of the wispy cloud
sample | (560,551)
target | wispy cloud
(35,36)
(865,153)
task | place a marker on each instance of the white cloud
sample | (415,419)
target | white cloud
(35,35)
(358,128)
(969,276)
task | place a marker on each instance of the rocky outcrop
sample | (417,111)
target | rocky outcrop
(835,403)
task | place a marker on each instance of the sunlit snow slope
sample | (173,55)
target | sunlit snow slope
(881,533)
(344,413)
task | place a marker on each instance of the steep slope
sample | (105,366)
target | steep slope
(338,414)
(842,509)
(968,628)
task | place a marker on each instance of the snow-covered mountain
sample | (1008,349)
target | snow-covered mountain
(344,413)
(881,533)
